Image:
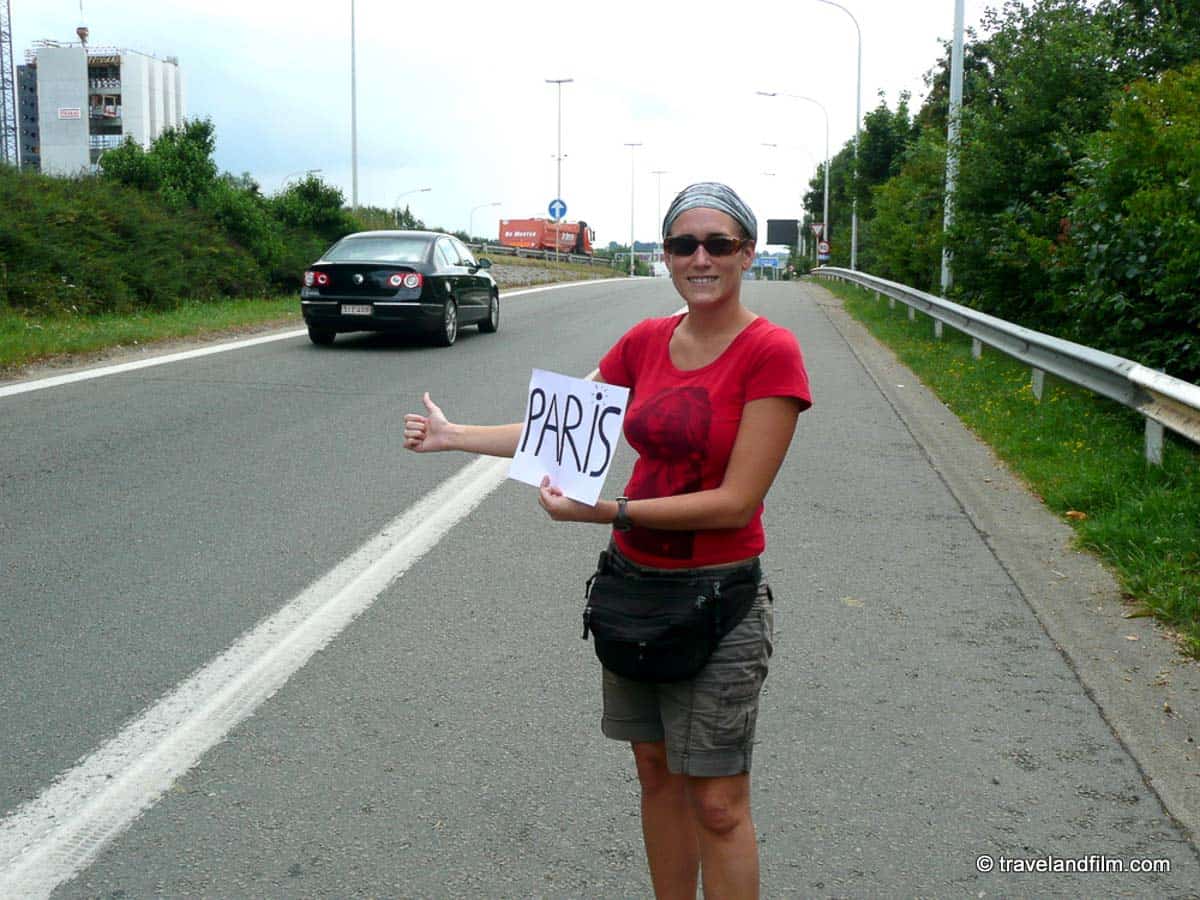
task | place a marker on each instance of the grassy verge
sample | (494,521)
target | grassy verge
(1082,454)
(27,338)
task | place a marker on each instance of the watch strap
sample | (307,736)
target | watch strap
(621,520)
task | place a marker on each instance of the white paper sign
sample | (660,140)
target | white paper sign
(570,433)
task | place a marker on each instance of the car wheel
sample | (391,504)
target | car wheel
(322,337)
(492,322)
(449,333)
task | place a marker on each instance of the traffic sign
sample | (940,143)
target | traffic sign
(817,228)
(823,248)
(557,209)
(767,262)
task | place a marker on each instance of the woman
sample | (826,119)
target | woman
(714,397)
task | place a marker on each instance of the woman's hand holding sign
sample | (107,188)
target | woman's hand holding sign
(562,508)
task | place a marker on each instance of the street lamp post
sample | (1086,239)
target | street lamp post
(471,226)
(660,173)
(396,211)
(952,139)
(353,117)
(857,119)
(558,82)
(632,181)
(825,201)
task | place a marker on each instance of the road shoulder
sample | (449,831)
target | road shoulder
(1147,692)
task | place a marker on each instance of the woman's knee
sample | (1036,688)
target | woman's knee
(720,804)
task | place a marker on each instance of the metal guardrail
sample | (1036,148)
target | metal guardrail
(1164,401)
(501,250)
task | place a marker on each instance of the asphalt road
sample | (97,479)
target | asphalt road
(917,717)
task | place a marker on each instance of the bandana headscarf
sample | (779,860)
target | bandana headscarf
(712,195)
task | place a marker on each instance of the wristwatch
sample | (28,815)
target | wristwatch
(621,520)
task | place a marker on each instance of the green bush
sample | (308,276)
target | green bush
(246,218)
(906,233)
(1050,84)
(94,245)
(1135,228)
(311,205)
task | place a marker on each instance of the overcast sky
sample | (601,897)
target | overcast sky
(453,96)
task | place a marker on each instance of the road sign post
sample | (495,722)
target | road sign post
(557,210)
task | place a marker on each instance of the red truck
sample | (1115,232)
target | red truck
(538,234)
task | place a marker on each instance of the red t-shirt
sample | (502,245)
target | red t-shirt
(683,425)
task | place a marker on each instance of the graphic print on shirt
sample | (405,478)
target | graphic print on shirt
(671,433)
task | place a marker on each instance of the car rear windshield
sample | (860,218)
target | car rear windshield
(381,249)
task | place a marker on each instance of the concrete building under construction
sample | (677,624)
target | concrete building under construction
(75,101)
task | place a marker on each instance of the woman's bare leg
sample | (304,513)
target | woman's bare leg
(725,831)
(668,826)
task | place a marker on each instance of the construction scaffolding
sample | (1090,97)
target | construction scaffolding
(8,96)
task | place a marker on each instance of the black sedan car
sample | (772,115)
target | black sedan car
(398,281)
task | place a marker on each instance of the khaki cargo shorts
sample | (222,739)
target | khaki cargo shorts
(708,721)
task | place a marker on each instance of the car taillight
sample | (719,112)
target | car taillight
(308,279)
(320,279)
(396,280)
(413,280)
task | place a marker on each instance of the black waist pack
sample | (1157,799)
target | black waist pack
(661,627)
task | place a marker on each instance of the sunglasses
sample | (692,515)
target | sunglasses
(716,245)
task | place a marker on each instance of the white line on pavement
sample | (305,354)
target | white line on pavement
(24,387)
(53,837)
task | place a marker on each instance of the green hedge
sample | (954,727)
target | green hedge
(93,245)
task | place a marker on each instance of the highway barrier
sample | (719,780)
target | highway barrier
(486,249)
(1164,401)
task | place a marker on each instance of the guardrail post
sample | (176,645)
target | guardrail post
(937,329)
(1038,382)
(1154,442)
(912,314)
(891,302)
(976,348)
(878,296)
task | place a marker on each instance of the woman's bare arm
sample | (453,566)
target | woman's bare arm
(433,432)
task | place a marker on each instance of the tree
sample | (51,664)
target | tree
(934,112)
(313,205)
(837,231)
(1135,228)
(1152,36)
(184,163)
(129,164)
(906,230)
(885,139)
(1051,85)
(178,165)
(883,145)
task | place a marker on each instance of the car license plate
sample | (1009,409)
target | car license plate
(351,309)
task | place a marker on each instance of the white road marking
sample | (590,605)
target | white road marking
(53,837)
(24,387)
